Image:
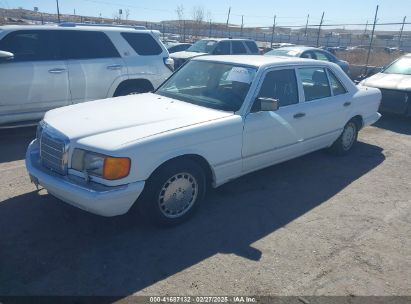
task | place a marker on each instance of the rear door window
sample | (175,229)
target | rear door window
(87,45)
(31,45)
(238,47)
(321,56)
(315,83)
(143,44)
(336,85)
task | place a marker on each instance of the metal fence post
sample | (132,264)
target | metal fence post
(371,41)
(273,32)
(319,30)
(401,32)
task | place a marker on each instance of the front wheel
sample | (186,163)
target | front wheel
(347,139)
(173,193)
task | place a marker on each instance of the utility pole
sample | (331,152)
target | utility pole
(210,29)
(401,32)
(58,11)
(228,19)
(371,41)
(319,30)
(306,25)
(242,24)
(273,32)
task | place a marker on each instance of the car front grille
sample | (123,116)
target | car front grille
(395,101)
(394,96)
(53,151)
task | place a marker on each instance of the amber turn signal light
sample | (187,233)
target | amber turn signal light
(116,167)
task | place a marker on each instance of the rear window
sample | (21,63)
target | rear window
(86,45)
(143,44)
(252,46)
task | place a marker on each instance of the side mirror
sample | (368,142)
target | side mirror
(268,104)
(6,56)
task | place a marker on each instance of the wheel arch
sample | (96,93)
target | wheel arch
(139,83)
(359,120)
(200,160)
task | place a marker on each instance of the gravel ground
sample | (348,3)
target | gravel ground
(317,225)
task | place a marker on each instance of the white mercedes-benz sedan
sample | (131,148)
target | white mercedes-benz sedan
(215,119)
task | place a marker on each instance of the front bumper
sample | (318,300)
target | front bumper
(91,197)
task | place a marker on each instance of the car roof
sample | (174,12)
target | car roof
(261,61)
(300,48)
(102,28)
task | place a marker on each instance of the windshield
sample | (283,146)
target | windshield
(202,46)
(401,66)
(283,52)
(209,84)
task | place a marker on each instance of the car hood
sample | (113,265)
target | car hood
(125,119)
(185,55)
(389,81)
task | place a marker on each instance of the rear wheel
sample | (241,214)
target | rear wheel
(347,139)
(173,193)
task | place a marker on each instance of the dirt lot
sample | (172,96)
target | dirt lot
(317,225)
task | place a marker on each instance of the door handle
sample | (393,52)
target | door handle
(114,67)
(57,71)
(299,115)
(347,104)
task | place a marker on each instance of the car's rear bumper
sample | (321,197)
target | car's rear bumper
(89,196)
(372,119)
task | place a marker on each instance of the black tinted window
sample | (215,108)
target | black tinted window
(143,44)
(222,48)
(238,47)
(30,45)
(281,85)
(86,45)
(252,46)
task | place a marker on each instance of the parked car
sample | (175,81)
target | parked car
(223,46)
(177,47)
(215,119)
(310,53)
(281,45)
(45,67)
(395,84)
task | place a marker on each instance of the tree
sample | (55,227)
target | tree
(198,18)
(127,13)
(180,16)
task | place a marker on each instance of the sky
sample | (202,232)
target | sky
(256,12)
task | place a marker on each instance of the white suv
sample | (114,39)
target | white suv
(45,67)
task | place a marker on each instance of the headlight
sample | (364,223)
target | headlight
(107,167)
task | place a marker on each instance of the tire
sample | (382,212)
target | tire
(347,139)
(173,193)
